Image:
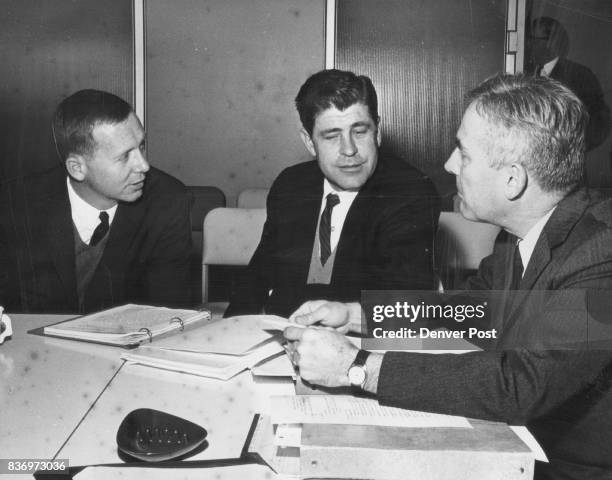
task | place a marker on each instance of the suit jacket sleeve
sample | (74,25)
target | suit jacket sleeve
(167,273)
(404,243)
(518,384)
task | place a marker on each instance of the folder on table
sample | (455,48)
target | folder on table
(126,326)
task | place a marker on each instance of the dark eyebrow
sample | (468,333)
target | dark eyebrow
(330,130)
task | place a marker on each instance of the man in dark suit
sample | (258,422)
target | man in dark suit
(349,221)
(518,164)
(546,49)
(100,230)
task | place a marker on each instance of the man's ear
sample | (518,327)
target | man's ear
(516,181)
(76,166)
(308,143)
(378,133)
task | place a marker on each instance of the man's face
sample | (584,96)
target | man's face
(540,46)
(480,187)
(115,172)
(345,144)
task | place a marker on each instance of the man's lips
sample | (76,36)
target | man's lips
(351,168)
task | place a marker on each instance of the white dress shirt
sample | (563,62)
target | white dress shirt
(85,217)
(548,67)
(528,242)
(338,213)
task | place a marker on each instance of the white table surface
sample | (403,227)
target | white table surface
(65,399)
(47,385)
(224,408)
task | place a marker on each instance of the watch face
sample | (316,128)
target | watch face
(356,375)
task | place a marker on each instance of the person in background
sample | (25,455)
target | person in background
(102,229)
(546,48)
(350,220)
(518,163)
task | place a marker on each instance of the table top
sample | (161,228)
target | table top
(47,387)
(67,399)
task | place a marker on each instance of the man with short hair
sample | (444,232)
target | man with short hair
(518,164)
(103,229)
(546,47)
(351,220)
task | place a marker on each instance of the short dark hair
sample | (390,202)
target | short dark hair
(334,88)
(77,115)
(549,120)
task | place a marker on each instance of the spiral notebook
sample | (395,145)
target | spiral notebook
(127,326)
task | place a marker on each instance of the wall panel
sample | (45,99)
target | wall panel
(422,56)
(48,50)
(221,78)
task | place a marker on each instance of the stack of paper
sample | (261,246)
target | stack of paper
(220,349)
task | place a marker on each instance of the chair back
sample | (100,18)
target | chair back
(460,246)
(203,200)
(253,198)
(231,235)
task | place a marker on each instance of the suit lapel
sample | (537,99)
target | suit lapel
(59,236)
(122,234)
(562,221)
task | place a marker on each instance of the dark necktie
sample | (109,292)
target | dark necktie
(100,231)
(325,227)
(517,269)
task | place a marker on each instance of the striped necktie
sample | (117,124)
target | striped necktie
(325,227)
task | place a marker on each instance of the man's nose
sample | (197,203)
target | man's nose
(452,164)
(347,146)
(140,162)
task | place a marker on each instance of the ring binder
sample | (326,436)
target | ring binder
(148,332)
(124,326)
(179,321)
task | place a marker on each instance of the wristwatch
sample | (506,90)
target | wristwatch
(357,372)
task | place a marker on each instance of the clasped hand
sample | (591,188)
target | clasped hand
(321,351)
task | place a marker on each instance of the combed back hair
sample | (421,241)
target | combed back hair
(541,123)
(334,88)
(77,115)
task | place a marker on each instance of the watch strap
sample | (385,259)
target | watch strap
(360,358)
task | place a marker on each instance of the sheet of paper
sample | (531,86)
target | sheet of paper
(213,365)
(234,335)
(288,435)
(529,440)
(277,366)
(273,322)
(349,410)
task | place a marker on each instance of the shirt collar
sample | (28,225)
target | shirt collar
(343,195)
(85,217)
(548,67)
(528,242)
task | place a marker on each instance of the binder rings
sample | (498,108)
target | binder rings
(127,326)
